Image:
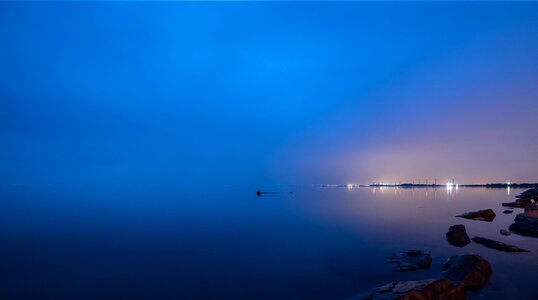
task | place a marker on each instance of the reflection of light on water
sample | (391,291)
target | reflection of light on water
(349,186)
(378,189)
(508,190)
(450,187)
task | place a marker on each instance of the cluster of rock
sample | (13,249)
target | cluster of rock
(457,236)
(529,194)
(518,203)
(526,223)
(524,199)
(462,272)
(459,274)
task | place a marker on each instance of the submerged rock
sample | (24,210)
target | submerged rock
(470,271)
(492,244)
(411,260)
(481,215)
(508,211)
(416,290)
(457,236)
(505,232)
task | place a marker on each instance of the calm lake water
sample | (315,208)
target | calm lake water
(168,242)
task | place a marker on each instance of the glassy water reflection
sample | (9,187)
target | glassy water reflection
(167,242)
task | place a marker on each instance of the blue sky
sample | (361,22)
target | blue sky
(263,93)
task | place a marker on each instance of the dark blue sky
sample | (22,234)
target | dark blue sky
(268,92)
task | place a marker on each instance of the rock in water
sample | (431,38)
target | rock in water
(507,211)
(532,210)
(527,222)
(457,236)
(525,225)
(529,194)
(519,203)
(505,232)
(411,260)
(416,290)
(470,271)
(497,245)
(481,215)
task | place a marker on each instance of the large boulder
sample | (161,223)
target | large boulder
(481,215)
(441,289)
(497,245)
(411,260)
(470,271)
(527,222)
(457,236)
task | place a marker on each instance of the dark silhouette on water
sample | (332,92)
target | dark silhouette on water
(259,193)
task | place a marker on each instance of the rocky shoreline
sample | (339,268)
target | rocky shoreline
(526,223)
(461,273)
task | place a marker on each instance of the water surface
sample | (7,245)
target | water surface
(174,242)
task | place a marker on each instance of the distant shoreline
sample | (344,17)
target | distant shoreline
(487,185)
(420,185)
